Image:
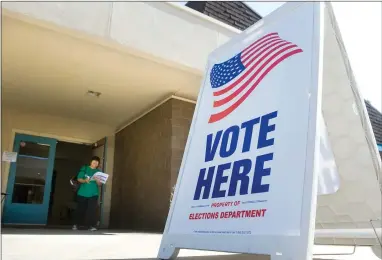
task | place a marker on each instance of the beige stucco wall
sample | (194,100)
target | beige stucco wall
(64,129)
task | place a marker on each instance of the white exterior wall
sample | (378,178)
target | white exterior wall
(89,17)
(173,34)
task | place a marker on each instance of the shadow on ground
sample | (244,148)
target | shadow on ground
(214,257)
(377,250)
(219,257)
(66,230)
(50,231)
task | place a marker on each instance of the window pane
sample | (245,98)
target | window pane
(31,168)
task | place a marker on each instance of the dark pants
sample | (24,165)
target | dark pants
(86,212)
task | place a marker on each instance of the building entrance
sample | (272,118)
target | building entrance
(38,191)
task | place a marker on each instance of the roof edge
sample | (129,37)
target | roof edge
(245,3)
(372,106)
(204,17)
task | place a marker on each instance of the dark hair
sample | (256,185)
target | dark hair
(96,158)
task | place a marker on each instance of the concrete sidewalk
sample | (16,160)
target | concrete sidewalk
(47,244)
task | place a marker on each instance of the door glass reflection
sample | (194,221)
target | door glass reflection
(31,169)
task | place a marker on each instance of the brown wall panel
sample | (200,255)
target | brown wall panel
(147,158)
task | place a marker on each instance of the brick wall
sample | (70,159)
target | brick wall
(182,113)
(147,158)
(234,13)
(141,180)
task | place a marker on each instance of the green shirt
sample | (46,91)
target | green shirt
(87,189)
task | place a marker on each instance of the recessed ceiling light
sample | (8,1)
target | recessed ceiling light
(93,93)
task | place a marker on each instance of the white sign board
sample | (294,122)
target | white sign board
(248,180)
(9,156)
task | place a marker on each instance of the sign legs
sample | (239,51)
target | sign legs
(168,252)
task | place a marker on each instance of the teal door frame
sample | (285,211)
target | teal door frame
(30,214)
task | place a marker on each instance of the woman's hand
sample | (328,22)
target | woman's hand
(99,183)
(85,180)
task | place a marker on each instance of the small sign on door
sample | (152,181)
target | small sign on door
(9,156)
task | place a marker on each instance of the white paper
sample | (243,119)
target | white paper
(101,176)
(9,156)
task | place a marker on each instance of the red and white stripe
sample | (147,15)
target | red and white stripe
(259,59)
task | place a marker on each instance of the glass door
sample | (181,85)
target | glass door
(29,181)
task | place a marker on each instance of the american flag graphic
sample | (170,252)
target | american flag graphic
(235,79)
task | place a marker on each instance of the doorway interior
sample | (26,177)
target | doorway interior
(69,158)
(39,190)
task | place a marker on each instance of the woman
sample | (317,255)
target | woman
(87,196)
